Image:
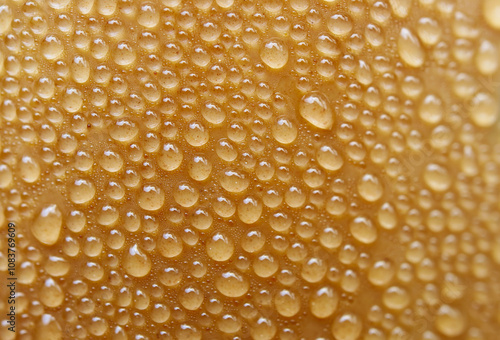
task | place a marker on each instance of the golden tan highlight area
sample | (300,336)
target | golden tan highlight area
(232,169)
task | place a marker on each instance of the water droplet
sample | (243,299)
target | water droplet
(315,108)
(136,262)
(232,284)
(170,157)
(47,225)
(491,12)
(148,16)
(249,210)
(196,134)
(429,31)
(229,324)
(396,298)
(401,8)
(381,273)
(370,188)
(284,130)
(151,197)
(220,247)
(323,302)
(437,177)
(329,158)
(450,322)
(51,47)
(330,238)
(409,48)
(81,191)
(5,19)
(234,181)
(51,294)
(48,328)
(124,130)
(363,230)
(265,265)
(287,303)
(186,195)
(170,245)
(484,110)
(274,54)
(200,168)
(253,241)
(124,54)
(213,113)
(340,25)
(431,110)
(72,100)
(29,169)
(347,327)
(263,329)
(313,270)
(191,297)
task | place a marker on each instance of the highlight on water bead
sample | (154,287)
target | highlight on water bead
(263,170)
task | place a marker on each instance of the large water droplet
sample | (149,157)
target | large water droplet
(370,188)
(484,110)
(409,48)
(287,303)
(81,191)
(48,328)
(491,12)
(136,262)
(274,54)
(431,110)
(51,294)
(347,327)
(450,321)
(284,130)
(401,8)
(47,225)
(5,19)
(437,177)
(232,284)
(324,302)
(363,230)
(315,108)
(29,169)
(151,197)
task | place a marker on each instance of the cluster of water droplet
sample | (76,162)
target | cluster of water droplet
(251,169)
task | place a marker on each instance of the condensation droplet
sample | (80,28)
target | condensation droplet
(450,322)
(370,188)
(484,110)
(347,326)
(363,230)
(47,225)
(437,177)
(315,108)
(491,12)
(274,54)
(151,197)
(232,284)
(136,262)
(409,48)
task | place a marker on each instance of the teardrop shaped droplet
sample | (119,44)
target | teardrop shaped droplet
(314,108)
(47,225)
(409,48)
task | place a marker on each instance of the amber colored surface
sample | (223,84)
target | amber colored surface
(224,169)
